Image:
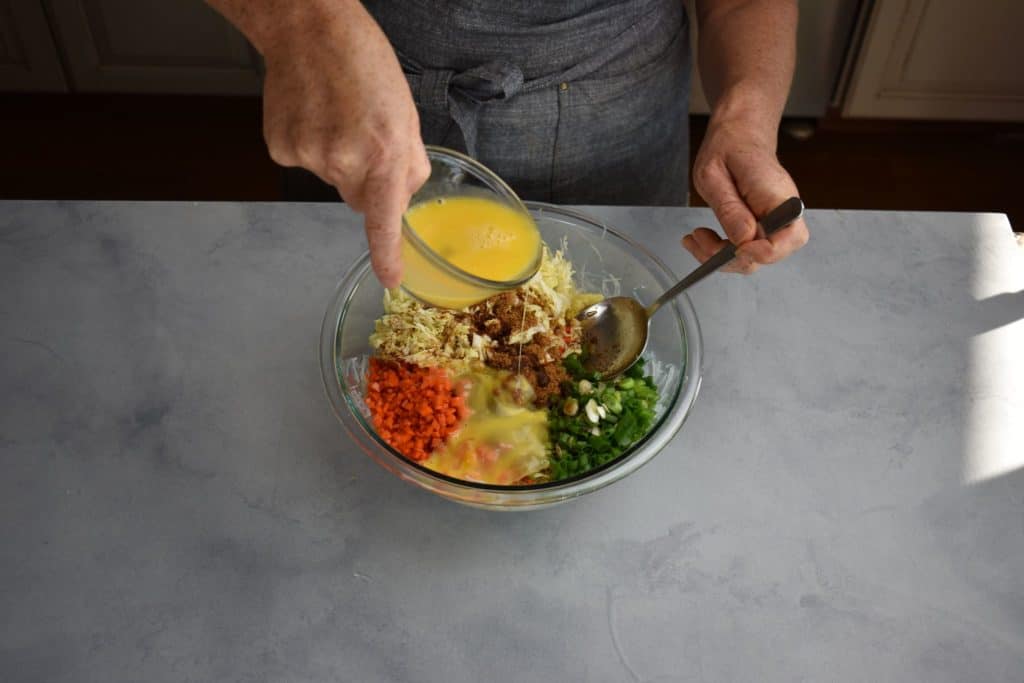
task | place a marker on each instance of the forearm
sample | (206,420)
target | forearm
(746,53)
(267,23)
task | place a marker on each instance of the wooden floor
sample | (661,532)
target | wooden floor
(199,148)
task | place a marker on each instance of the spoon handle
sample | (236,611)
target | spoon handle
(779,217)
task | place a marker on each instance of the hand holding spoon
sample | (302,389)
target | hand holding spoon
(615,330)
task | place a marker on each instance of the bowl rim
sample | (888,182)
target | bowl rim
(505,192)
(663,431)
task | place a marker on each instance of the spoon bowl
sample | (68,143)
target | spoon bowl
(615,329)
(614,334)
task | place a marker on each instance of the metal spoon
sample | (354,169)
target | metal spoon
(615,330)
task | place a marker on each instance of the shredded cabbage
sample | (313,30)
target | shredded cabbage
(552,284)
(439,337)
(557,298)
(425,336)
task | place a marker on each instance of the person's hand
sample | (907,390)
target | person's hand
(336,102)
(738,175)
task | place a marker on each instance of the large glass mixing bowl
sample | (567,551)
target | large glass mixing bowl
(605,261)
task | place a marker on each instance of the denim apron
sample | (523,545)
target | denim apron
(570,101)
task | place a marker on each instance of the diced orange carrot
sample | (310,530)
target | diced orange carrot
(414,409)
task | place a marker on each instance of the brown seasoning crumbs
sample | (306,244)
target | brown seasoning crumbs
(540,361)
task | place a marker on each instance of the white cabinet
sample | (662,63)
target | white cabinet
(940,59)
(28,55)
(153,46)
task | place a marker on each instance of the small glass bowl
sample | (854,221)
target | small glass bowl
(428,276)
(605,261)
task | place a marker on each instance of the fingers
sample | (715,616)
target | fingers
(376,183)
(380,189)
(739,187)
(385,200)
(708,240)
(769,187)
(382,197)
(777,246)
(419,169)
(703,243)
(715,183)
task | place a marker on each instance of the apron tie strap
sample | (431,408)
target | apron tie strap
(461,95)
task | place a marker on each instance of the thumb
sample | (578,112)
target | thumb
(717,187)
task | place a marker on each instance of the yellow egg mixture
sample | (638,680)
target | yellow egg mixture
(480,236)
(502,442)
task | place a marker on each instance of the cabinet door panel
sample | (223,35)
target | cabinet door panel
(28,56)
(161,46)
(940,59)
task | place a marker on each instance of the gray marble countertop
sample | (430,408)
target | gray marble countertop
(177,502)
